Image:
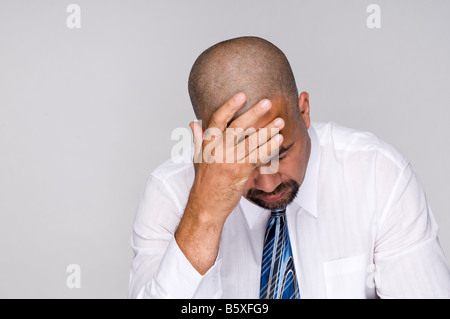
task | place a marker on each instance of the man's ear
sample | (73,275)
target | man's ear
(303,106)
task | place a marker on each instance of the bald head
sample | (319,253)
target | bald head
(248,64)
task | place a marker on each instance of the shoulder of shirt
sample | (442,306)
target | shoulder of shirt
(351,141)
(172,167)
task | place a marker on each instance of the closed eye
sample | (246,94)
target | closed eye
(283,152)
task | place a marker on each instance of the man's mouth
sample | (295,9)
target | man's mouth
(274,198)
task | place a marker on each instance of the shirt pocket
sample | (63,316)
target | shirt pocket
(346,277)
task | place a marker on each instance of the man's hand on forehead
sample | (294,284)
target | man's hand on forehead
(255,145)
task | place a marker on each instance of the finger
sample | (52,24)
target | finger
(261,156)
(258,138)
(226,112)
(250,117)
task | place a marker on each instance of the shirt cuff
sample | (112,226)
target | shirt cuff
(176,278)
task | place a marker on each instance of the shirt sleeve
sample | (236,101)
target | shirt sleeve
(159,268)
(409,262)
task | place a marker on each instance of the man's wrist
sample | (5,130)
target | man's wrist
(205,211)
(198,236)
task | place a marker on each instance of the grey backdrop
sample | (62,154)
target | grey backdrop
(86,114)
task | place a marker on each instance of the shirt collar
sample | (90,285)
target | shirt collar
(307,194)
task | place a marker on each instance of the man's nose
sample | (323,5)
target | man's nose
(267,182)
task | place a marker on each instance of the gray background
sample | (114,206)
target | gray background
(86,114)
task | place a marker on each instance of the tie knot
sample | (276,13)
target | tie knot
(278,212)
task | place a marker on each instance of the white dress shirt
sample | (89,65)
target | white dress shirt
(360,227)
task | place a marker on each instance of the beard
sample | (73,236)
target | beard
(291,188)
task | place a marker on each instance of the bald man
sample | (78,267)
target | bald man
(342,216)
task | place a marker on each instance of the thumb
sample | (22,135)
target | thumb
(197,133)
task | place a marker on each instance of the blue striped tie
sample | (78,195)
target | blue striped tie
(278,278)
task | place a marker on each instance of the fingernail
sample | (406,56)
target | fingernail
(265,104)
(278,122)
(239,97)
(278,138)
